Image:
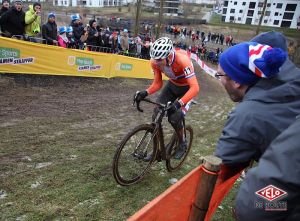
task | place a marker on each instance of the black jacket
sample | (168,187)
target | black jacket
(13,22)
(92,39)
(78,30)
(49,32)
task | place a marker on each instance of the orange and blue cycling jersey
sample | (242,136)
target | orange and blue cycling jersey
(180,72)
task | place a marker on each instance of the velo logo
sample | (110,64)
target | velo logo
(271,193)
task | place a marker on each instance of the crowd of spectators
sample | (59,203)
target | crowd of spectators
(16,23)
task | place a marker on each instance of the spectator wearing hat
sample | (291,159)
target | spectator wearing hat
(4,8)
(13,21)
(49,30)
(62,39)
(267,86)
(93,35)
(70,36)
(33,20)
(78,30)
(124,41)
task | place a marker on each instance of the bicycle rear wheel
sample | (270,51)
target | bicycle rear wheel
(172,163)
(129,164)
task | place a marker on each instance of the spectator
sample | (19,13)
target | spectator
(13,21)
(138,42)
(80,33)
(279,166)
(114,42)
(62,38)
(49,30)
(124,41)
(267,104)
(70,37)
(93,36)
(33,20)
(4,8)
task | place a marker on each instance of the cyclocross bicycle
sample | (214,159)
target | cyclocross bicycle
(131,163)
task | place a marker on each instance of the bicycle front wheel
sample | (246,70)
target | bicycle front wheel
(134,155)
(172,163)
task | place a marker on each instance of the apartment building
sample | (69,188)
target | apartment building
(278,13)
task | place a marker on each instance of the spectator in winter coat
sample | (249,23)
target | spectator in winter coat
(78,30)
(13,21)
(267,86)
(125,41)
(33,20)
(62,38)
(4,8)
(49,30)
(93,35)
(70,36)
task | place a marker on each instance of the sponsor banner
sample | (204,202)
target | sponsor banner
(33,58)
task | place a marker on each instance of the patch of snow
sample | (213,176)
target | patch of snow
(36,184)
(41,165)
(173,180)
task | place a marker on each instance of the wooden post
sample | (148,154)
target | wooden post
(205,188)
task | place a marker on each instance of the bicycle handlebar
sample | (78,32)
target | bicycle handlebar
(148,101)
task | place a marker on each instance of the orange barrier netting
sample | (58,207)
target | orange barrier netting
(176,202)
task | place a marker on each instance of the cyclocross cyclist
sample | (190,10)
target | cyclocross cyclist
(180,89)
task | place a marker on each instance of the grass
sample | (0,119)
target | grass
(216,21)
(58,140)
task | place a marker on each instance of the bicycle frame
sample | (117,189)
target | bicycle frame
(158,129)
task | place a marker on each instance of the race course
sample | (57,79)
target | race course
(58,138)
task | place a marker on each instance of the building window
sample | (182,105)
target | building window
(232,10)
(223,18)
(288,15)
(224,11)
(235,3)
(269,5)
(231,18)
(276,22)
(84,2)
(225,3)
(290,7)
(55,3)
(267,13)
(249,21)
(250,13)
(239,18)
(266,21)
(252,4)
(259,12)
(279,5)
(260,4)
(241,11)
(276,14)
(244,3)
(286,24)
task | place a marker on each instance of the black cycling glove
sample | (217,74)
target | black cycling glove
(140,95)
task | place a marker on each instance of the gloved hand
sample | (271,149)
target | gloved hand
(139,95)
(174,107)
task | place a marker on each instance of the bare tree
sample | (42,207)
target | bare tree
(261,16)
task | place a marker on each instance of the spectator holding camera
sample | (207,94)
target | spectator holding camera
(13,21)
(33,20)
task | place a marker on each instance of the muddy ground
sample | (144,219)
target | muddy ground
(58,136)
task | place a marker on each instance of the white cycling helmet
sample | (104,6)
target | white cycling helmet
(161,48)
